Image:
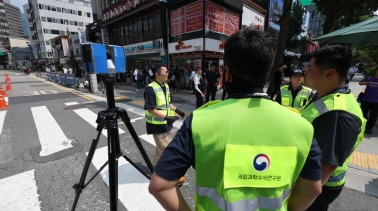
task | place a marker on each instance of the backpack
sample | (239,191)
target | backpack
(139,74)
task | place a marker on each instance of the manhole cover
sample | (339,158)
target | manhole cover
(72,107)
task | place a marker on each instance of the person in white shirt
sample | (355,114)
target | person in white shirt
(137,80)
(199,86)
(65,70)
(70,70)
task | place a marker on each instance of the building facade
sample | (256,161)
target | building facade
(49,19)
(316,20)
(198,31)
(19,53)
(137,25)
(13,16)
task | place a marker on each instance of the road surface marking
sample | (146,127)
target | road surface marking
(91,117)
(149,139)
(132,185)
(50,134)
(19,192)
(5,142)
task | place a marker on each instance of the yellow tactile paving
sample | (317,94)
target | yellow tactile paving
(365,160)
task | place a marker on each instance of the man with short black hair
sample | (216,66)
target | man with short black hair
(212,78)
(277,81)
(159,111)
(239,164)
(336,117)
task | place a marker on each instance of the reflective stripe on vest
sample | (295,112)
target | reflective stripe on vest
(245,204)
(162,105)
(220,190)
(299,100)
(336,101)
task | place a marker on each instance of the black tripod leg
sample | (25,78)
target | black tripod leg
(80,186)
(113,151)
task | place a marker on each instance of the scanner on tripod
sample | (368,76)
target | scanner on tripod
(107,60)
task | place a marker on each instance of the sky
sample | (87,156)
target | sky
(19,3)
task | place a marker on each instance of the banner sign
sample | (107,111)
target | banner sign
(66,49)
(190,19)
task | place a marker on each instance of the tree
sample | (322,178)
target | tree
(342,13)
(293,42)
(282,35)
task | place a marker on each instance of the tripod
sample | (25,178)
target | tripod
(108,119)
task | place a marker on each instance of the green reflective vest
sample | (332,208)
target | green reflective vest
(245,166)
(162,104)
(336,101)
(299,101)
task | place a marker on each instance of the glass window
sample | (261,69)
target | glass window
(151,26)
(74,12)
(71,1)
(75,23)
(43,19)
(48,7)
(55,31)
(53,8)
(157,26)
(59,9)
(40,6)
(62,32)
(126,34)
(140,30)
(63,10)
(79,13)
(145,28)
(49,20)
(135,27)
(71,22)
(81,24)
(88,14)
(131,35)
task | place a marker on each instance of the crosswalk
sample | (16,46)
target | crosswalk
(132,185)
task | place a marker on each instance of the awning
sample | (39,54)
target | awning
(138,56)
(306,2)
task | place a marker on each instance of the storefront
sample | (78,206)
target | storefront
(198,32)
(145,54)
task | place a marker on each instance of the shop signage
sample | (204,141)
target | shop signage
(221,45)
(65,46)
(104,36)
(253,18)
(221,20)
(181,45)
(155,44)
(187,19)
(118,9)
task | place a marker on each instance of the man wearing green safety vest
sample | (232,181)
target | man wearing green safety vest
(294,94)
(159,111)
(336,117)
(239,164)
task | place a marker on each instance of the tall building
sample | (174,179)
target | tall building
(4,26)
(24,25)
(13,16)
(50,19)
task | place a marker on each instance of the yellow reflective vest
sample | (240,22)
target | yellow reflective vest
(162,104)
(244,166)
(299,101)
(336,101)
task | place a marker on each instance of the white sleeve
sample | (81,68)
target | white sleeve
(196,83)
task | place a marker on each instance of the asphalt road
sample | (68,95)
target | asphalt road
(47,132)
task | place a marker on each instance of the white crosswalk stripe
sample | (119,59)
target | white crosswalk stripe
(132,185)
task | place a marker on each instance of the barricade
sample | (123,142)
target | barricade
(65,79)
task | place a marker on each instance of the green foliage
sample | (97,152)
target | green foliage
(369,70)
(293,43)
(342,13)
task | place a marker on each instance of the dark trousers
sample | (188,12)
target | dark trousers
(276,90)
(224,93)
(211,90)
(193,87)
(367,107)
(199,99)
(328,195)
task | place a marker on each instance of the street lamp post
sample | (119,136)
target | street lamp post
(30,55)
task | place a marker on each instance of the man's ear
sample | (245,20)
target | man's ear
(228,75)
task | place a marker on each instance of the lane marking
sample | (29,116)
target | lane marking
(149,139)
(19,192)
(5,142)
(132,185)
(51,136)
(62,88)
(91,117)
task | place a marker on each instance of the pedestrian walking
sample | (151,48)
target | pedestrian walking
(159,111)
(199,85)
(240,165)
(137,77)
(336,117)
(294,94)
(212,78)
(369,102)
(277,81)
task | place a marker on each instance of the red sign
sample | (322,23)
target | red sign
(214,17)
(231,23)
(194,17)
(178,21)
